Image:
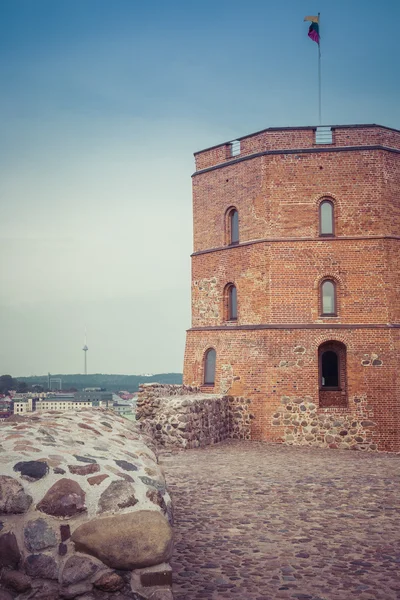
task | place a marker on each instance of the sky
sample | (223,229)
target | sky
(102,105)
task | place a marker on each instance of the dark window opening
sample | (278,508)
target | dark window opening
(332,375)
(232,303)
(329,370)
(209,367)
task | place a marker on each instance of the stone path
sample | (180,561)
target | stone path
(259,521)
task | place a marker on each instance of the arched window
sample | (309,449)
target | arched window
(326,220)
(209,366)
(328,297)
(231,302)
(233,226)
(332,374)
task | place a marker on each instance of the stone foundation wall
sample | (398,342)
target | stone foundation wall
(183,417)
(84,510)
(305,424)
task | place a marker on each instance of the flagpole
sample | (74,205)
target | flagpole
(319,70)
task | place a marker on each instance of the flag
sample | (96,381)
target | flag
(313,30)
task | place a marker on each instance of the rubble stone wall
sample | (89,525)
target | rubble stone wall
(84,509)
(184,417)
(304,424)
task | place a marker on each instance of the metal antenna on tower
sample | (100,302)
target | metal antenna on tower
(85,349)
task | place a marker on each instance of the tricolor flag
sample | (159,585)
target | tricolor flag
(313,30)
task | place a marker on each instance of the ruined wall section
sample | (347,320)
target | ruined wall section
(188,418)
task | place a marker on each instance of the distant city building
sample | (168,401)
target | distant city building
(51,402)
(122,408)
(98,398)
(62,402)
(26,403)
(20,405)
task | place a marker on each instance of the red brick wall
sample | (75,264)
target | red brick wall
(277,268)
(267,365)
(279,282)
(277,196)
(295,139)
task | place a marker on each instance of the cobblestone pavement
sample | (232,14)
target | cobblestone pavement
(259,521)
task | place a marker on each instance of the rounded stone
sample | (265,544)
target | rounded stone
(16,580)
(159,485)
(64,499)
(109,582)
(41,565)
(156,497)
(39,535)
(129,541)
(127,466)
(97,479)
(88,469)
(32,469)
(59,471)
(13,499)
(78,568)
(118,495)
(9,551)
(84,459)
(76,590)
(299,350)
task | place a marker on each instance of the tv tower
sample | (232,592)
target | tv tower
(85,349)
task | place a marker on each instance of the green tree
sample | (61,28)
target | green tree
(7,383)
(22,387)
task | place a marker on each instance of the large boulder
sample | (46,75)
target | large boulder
(137,539)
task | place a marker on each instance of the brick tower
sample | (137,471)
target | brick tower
(296,282)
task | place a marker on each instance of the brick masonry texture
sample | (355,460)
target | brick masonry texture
(179,417)
(278,267)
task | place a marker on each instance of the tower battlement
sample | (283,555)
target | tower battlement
(274,140)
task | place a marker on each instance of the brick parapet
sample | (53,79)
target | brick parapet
(298,138)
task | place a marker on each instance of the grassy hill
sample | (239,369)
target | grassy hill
(113,383)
